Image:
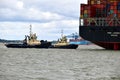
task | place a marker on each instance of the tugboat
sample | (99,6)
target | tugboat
(63,44)
(30,41)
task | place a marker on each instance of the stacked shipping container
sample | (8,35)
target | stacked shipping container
(101,13)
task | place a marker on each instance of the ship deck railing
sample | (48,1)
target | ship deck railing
(100,21)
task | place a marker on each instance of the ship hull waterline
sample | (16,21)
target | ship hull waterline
(105,36)
(70,46)
(42,45)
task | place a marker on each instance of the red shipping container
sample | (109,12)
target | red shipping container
(82,6)
(115,3)
(82,9)
(118,15)
(99,6)
(112,7)
(104,2)
(92,11)
(115,11)
(81,12)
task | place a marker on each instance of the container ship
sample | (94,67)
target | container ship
(100,23)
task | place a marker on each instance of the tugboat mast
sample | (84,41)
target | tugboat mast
(30,29)
(62,33)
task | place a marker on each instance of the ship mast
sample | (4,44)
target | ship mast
(30,29)
(62,33)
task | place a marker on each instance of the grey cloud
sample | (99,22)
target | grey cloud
(67,9)
(49,16)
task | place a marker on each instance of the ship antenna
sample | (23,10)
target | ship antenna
(30,29)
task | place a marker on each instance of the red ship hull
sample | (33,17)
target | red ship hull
(110,46)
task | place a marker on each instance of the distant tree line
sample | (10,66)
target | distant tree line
(8,41)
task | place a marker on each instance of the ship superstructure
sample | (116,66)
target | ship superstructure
(31,39)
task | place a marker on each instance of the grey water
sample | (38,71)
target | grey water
(88,62)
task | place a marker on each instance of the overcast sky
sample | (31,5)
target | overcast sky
(47,17)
